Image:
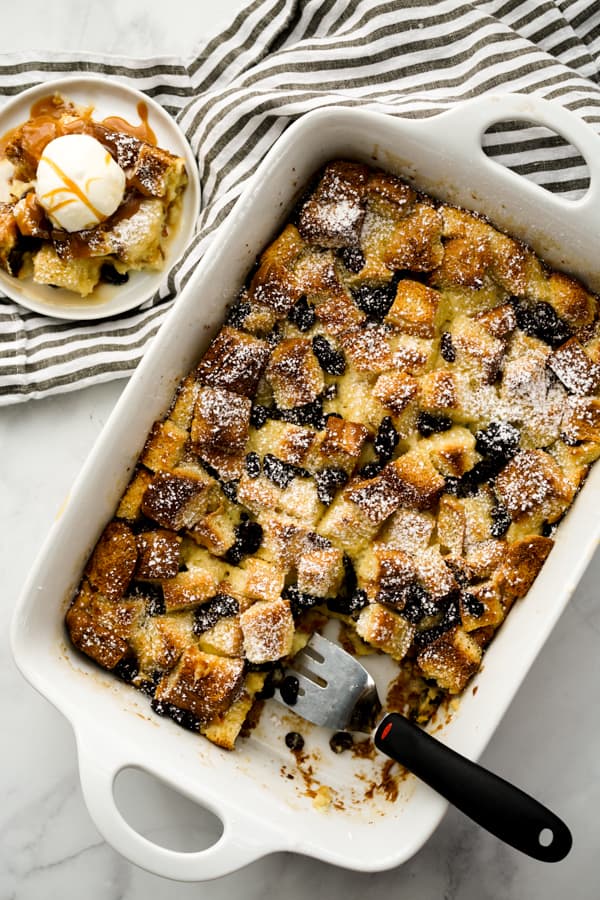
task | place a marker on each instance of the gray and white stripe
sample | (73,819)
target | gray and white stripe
(278,60)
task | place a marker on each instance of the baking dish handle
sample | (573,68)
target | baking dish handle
(475,116)
(244,839)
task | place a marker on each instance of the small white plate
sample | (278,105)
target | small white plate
(108,98)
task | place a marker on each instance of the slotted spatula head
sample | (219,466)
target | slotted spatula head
(334,689)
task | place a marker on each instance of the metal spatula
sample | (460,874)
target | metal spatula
(336,691)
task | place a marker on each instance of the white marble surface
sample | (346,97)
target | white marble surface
(549,742)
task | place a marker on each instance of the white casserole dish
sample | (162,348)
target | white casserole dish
(263,811)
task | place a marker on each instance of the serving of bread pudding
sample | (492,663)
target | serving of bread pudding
(85,202)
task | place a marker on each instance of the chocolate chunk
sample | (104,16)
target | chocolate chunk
(182,717)
(499,440)
(248,538)
(332,361)
(328,481)
(353,259)
(278,471)
(447,350)
(289,690)
(294,740)
(541,321)
(218,607)
(375,301)
(302,314)
(428,424)
(253,465)
(386,439)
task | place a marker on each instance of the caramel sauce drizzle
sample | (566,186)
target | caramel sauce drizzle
(143,131)
(44,125)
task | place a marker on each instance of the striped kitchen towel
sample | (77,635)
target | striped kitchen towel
(278,60)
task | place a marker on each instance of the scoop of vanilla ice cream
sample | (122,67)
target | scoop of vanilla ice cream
(78,182)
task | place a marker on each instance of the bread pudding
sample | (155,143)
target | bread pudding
(85,202)
(400,407)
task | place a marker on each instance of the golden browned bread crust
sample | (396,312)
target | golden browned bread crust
(402,404)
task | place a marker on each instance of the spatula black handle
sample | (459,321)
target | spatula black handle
(495,804)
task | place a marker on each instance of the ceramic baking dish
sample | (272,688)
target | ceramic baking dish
(261,807)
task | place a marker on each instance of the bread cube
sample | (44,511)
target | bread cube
(484,557)
(451,660)
(408,530)
(111,566)
(395,573)
(388,195)
(465,262)
(357,403)
(452,452)
(500,321)
(376,497)
(78,275)
(176,500)
(411,355)
(273,284)
(433,573)
(182,408)
(315,273)
(346,525)
(164,447)
(571,364)
(258,494)
(368,348)
(333,216)
(158,554)
(414,309)
(221,421)
(216,530)
(513,265)
(186,590)
(283,538)
(158,173)
(342,442)
(130,506)
(452,525)
(202,683)
(290,443)
(414,480)
(532,482)
(319,567)
(522,563)
(477,351)
(225,638)
(480,607)
(581,419)
(570,299)
(294,373)
(438,391)
(385,630)
(300,500)
(234,362)
(224,729)
(161,641)
(102,628)
(338,314)
(415,241)
(268,629)
(395,391)
(257,579)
